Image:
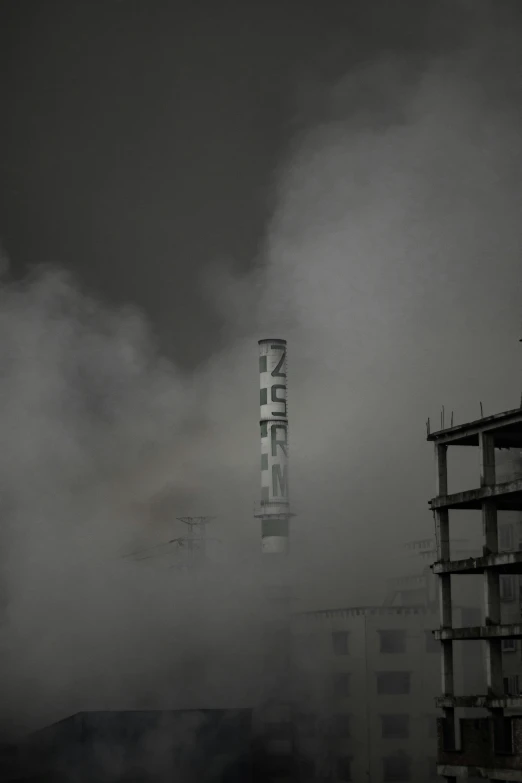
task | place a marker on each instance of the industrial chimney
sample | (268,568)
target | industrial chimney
(274,509)
(274,512)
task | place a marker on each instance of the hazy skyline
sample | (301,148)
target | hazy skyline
(346,177)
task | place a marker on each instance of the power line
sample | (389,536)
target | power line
(146,552)
(194,543)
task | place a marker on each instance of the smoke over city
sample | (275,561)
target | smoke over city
(386,252)
(99,430)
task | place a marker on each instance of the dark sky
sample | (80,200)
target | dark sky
(140,140)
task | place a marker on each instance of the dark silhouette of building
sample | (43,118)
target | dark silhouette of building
(193,746)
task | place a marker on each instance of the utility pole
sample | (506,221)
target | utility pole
(196,539)
(194,544)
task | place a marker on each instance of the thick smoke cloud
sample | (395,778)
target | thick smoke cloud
(393,273)
(395,246)
(98,434)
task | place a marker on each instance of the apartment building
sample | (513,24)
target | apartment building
(366,683)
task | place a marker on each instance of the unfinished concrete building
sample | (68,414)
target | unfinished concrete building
(490,746)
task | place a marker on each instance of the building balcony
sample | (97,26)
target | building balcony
(483,752)
(507,497)
(500,631)
(506,702)
(504,563)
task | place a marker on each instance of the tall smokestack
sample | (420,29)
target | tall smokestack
(274,510)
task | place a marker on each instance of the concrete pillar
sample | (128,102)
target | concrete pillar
(490,526)
(492,598)
(492,611)
(445,605)
(487,459)
(441,459)
(494,678)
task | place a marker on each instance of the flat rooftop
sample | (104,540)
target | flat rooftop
(366,611)
(506,428)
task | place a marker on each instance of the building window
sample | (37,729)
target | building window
(506,538)
(279,766)
(344,768)
(432,727)
(340,642)
(341,684)
(393,641)
(342,725)
(395,726)
(393,683)
(509,645)
(279,731)
(432,645)
(306,770)
(507,588)
(396,769)
(511,686)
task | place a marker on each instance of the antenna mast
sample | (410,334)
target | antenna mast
(196,538)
